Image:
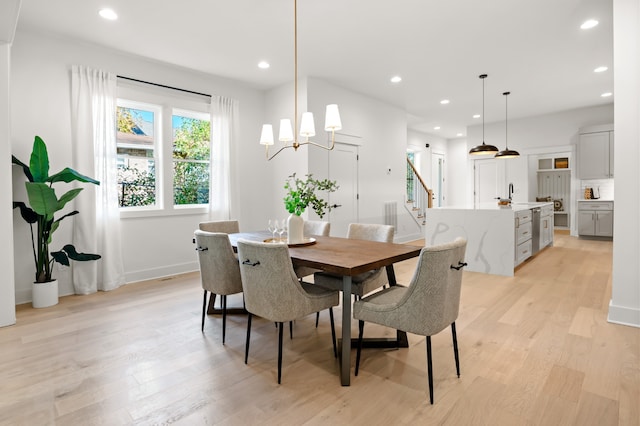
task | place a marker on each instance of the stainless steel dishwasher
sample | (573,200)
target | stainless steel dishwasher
(535,230)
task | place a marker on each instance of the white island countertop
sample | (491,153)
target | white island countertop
(515,207)
(488,228)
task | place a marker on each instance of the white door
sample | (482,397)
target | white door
(343,168)
(486,181)
(437,179)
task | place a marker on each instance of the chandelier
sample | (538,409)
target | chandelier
(307,126)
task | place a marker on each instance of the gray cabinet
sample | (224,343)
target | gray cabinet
(595,218)
(595,155)
(523,234)
(546,226)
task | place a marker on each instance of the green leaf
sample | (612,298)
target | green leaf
(27,214)
(68,196)
(69,175)
(60,257)
(39,162)
(74,255)
(42,198)
(25,168)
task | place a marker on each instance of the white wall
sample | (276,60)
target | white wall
(383,132)
(40,105)
(624,307)
(7,287)
(532,137)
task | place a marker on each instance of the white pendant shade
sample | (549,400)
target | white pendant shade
(332,118)
(307,126)
(286,131)
(266,138)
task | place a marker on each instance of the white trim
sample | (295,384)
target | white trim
(161,272)
(623,315)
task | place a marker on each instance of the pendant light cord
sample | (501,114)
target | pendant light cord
(295,69)
(506,121)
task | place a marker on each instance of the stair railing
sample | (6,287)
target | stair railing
(419,196)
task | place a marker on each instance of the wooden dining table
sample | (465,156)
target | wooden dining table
(345,257)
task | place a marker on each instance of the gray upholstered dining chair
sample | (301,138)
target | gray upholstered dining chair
(312,227)
(272,290)
(219,270)
(368,281)
(426,307)
(226,226)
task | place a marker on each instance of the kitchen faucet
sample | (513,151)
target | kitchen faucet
(510,191)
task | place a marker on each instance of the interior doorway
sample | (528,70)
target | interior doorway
(485,181)
(343,167)
(437,179)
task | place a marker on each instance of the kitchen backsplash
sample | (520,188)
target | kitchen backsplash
(603,186)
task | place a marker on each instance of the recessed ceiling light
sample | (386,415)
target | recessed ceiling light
(264,65)
(444,101)
(108,14)
(600,69)
(476,115)
(459,134)
(396,79)
(436,128)
(606,94)
(589,24)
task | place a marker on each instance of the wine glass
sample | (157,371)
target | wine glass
(273,225)
(283,228)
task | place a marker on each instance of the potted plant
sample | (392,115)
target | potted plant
(300,195)
(44,204)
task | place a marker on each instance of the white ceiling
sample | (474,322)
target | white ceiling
(535,49)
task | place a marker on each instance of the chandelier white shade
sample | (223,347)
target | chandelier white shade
(307,126)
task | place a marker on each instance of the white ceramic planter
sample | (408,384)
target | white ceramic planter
(295,231)
(44,295)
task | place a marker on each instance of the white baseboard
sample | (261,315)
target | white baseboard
(161,272)
(624,315)
(406,238)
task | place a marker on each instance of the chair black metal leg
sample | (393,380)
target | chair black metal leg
(291,330)
(455,347)
(429,369)
(204,308)
(333,333)
(223,300)
(317,318)
(280,351)
(246,349)
(360,333)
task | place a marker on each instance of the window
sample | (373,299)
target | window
(137,149)
(163,153)
(410,177)
(191,152)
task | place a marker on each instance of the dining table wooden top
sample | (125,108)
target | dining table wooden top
(343,256)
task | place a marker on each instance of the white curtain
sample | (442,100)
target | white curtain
(97,227)
(224,129)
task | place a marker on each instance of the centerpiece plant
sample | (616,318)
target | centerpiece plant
(302,193)
(44,204)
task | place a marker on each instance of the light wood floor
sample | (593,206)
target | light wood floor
(535,349)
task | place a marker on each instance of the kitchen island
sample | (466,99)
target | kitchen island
(498,237)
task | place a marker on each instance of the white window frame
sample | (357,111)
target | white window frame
(167,101)
(198,116)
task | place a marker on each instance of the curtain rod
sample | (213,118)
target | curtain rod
(164,86)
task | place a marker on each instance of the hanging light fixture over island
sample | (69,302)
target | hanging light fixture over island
(307,125)
(506,153)
(483,149)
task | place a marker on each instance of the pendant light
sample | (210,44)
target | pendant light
(507,153)
(483,149)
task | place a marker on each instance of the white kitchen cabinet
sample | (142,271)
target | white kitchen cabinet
(595,218)
(595,155)
(546,226)
(523,234)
